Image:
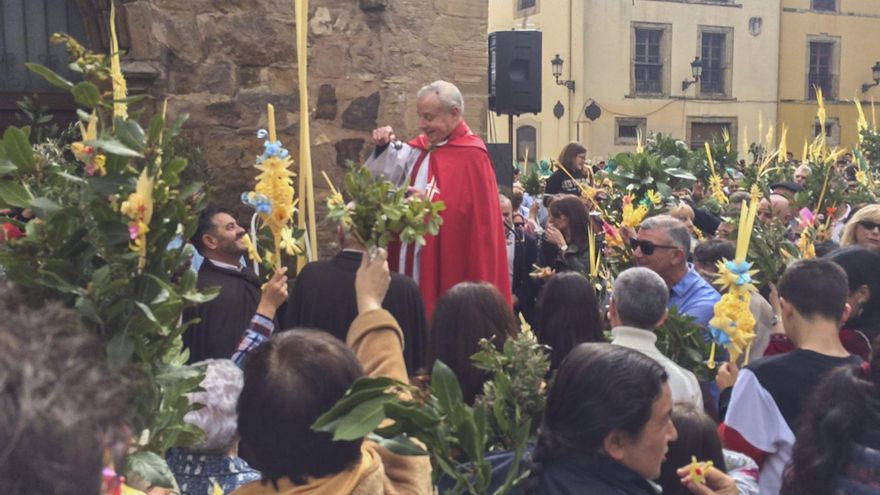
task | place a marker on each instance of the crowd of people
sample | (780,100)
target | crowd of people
(620,417)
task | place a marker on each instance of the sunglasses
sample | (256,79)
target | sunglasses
(868,225)
(647,247)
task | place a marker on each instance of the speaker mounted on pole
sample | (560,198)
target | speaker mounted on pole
(515,72)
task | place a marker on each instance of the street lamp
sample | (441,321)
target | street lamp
(696,71)
(557,73)
(875,71)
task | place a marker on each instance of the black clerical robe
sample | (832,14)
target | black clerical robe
(324,298)
(225,318)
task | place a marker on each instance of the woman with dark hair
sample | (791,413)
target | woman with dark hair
(568,241)
(698,437)
(569,315)
(298,375)
(862,267)
(838,439)
(606,424)
(465,314)
(572,159)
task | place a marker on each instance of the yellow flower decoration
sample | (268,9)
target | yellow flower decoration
(289,244)
(589,192)
(805,245)
(253,254)
(715,185)
(655,198)
(698,471)
(274,187)
(733,324)
(120,91)
(862,177)
(139,208)
(94,161)
(632,217)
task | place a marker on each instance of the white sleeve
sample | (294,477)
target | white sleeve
(743,470)
(393,164)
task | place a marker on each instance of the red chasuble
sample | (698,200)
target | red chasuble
(470,246)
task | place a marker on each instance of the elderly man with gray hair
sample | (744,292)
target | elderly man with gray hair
(663,245)
(448,163)
(638,304)
(215,459)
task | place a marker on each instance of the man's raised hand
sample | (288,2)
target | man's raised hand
(372,281)
(274,294)
(383,135)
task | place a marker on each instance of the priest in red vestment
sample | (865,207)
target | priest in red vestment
(447,162)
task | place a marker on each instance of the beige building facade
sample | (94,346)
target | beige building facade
(831,44)
(630,58)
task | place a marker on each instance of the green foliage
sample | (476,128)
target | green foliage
(642,172)
(455,435)
(515,395)
(377,210)
(532,183)
(78,249)
(871,145)
(683,341)
(770,250)
(35,116)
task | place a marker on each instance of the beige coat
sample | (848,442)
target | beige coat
(377,341)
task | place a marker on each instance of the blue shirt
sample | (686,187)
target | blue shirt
(694,297)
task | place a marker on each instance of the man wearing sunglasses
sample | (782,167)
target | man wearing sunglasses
(663,245)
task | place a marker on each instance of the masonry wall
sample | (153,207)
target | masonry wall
(221,61)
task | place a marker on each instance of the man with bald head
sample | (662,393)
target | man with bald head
(448,163)
(776,207)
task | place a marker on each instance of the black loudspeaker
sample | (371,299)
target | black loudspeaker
(515,72)
(501,155)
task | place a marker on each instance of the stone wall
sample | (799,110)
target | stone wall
(221,61)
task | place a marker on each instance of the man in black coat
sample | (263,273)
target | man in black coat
(324,298)
(524,248)
(224,319)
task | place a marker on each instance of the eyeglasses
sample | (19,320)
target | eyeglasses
(868,225)
(648,247)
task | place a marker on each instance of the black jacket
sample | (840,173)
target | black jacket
(524,287)
(324,298)
(224,318)
(593,474)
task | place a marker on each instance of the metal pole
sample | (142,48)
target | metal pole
(510,133)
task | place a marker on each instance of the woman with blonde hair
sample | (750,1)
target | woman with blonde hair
(863,229)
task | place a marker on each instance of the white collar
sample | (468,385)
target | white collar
(221,264)
(635,338)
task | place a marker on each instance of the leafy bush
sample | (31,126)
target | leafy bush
(99,240)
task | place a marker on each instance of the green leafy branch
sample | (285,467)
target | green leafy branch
(683,341)
(375,210)
(435,422)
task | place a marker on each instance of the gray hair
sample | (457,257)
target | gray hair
(640,296)
(502,199)
(676,231)
(448,93)
(218,418)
